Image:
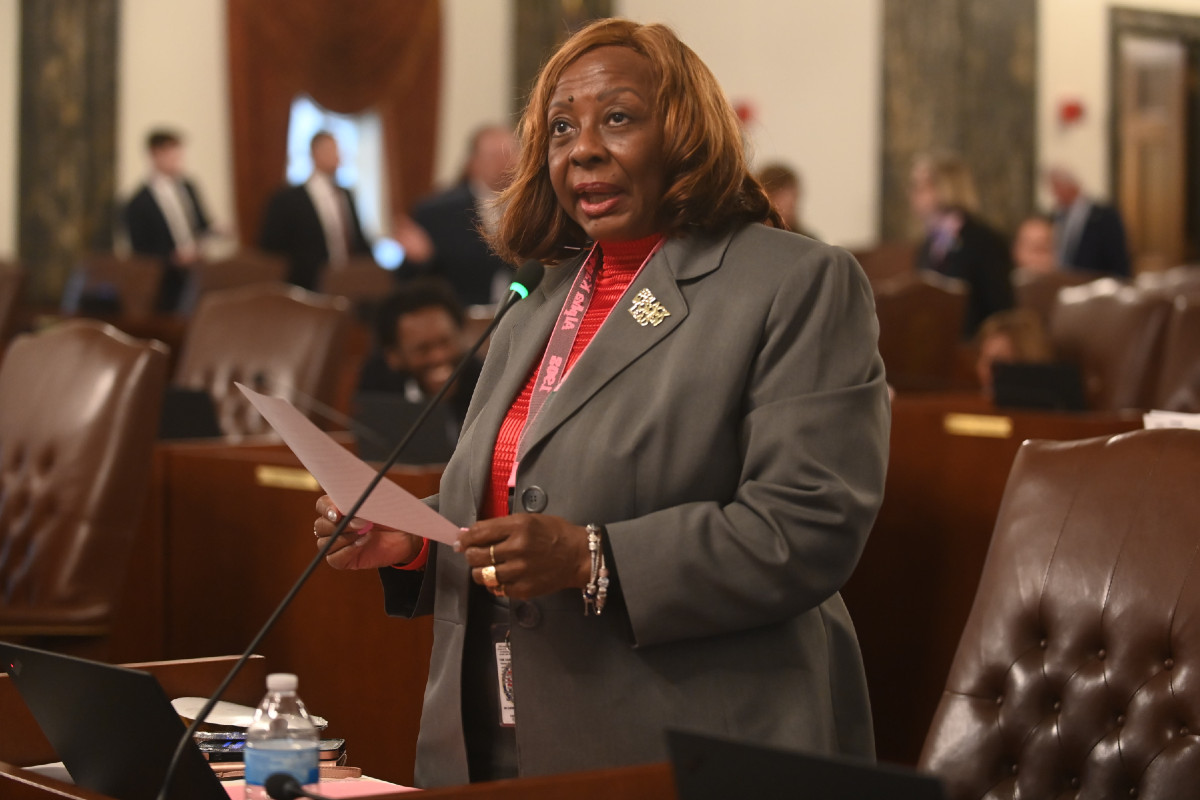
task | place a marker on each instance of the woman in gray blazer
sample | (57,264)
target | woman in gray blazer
(672,459)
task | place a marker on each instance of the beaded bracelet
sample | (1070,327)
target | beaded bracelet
(596,592)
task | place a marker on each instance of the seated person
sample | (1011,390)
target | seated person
(1014,336)
(786,192)
(1034,250)
(418,333)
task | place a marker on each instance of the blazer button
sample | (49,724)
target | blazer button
(528,615)
(534,500)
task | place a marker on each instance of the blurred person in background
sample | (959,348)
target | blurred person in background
(1090,234)
(1034,251)
(1016,336)
(784,187)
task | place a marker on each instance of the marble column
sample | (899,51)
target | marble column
(542,25)
(960,75)
(67,137)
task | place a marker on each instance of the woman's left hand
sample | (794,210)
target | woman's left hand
(534,554)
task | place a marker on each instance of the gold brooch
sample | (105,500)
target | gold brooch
(647,310)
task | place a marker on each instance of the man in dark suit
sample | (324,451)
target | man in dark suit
(166,219)
(1090,235)
(453,220)
(315,223)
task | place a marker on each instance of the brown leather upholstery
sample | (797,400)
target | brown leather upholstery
(1114,333)
(244,268)
(1179,374)
(887,260)
(1076,672)
(133,280)
(1037,291)
(1177,280)
(920,324)
(359,279)
(278,339)
(79,409)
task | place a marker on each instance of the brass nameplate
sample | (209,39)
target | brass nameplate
(285,478)
(986,425)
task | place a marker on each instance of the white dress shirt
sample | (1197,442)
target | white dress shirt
(331,210)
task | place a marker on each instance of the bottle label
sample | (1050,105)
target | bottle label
(298,759)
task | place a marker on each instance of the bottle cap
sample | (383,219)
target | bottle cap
(282,682)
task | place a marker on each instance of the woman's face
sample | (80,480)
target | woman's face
(922,195)
(606,144)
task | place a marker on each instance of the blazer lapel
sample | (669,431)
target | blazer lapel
(622,339)
(523,348)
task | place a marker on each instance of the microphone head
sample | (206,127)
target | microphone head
(282,786)
(528,276)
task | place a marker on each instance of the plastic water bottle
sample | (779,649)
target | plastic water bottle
(282,738)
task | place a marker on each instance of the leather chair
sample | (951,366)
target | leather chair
(1173,281)
(1076,673)
(1179,374)
(274,338)
(244,268)
(1037,291)
(129,284)
(920,326)
(1114,333)
(359,279)
(79,410)
(887,260)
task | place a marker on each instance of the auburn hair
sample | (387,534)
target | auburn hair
(708,183)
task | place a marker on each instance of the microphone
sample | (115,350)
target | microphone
(281,786)
(527,278)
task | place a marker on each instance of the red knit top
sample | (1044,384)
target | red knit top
(620,263)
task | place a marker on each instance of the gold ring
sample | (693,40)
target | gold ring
(492,553)
(489,577)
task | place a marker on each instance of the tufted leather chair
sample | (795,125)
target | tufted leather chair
(244,268)
(275,338)
(79,407)
(133,282)
(1078,672)
(1037,291)
(1114,333)
(920,324)
(1179,375)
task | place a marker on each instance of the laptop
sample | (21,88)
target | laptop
(113,727)
(712,768)
(383,418)
(188,414)
(1055,387)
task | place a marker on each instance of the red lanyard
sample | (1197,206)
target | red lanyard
(552,372)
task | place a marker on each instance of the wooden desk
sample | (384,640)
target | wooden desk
(913,588)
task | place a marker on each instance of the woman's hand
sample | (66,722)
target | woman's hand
(534,554)
(363,545)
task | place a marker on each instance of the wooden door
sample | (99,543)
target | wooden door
(1153,123)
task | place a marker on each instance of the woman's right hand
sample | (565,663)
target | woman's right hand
(376,547)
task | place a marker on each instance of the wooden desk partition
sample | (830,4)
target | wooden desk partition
(236,528)
(913,588)
(22,743)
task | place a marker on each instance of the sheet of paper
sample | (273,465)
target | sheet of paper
(343,476)
(1170,419)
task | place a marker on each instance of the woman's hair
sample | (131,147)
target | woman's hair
(1024,329)
(708,184)
(952,182)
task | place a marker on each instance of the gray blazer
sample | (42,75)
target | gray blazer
(736,453)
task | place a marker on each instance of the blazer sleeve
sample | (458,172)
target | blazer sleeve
(815,437)
(409,593)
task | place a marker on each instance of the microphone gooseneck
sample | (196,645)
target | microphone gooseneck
(281,786)
(527,278)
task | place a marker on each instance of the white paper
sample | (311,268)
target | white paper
(1170,419)
(344,477)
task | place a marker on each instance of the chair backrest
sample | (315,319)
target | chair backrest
(920,326)
(1114,333)
(278,339)
(1176,280)
(1179,373)
(244,268)
(132,282)
(1037,291)
(79,409)
(1074,673)
(359,279)
(887,260)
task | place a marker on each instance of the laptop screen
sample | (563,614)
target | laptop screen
(113,728)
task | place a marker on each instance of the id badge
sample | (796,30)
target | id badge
(504,676)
